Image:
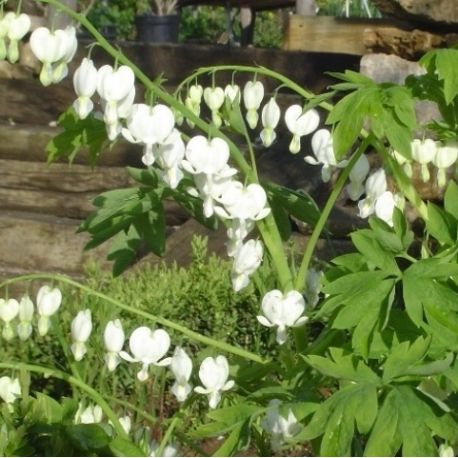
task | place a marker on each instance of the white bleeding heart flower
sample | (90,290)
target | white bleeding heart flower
(4,28)
(270,118)
(52,48)
(85,84)
(237,231)
(170,450)
(243,202)
(213,374)
(113,338)
(375,186)
(212,187)
(115,87)
(81,329)
(10,389)
(357,176)
(323,150)
(300,124)
(18,26)
(423,152)
(88,415)
(384,207)
(279,427)
(148,126)
(126,423)
(247,259)
(206,156)
(26,309)
(48,302)
(60,71)
(253,94)
(148,347)
(181,367)
(55,50)
(214,98)
(283,311)
(193,100)
(445,157)
(446,450)
(233,93)
(169,156)
(8,312)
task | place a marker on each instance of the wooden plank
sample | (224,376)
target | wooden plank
(255,4)
(62,177)
(329,34)
(26,142)
(70,205)
(32,242)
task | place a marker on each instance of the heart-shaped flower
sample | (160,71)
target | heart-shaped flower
(114,85)
(148,347)
(181,366)
(357,176)
(446,156)
(247,259)
(81,329)
(213,374)
(232,93)
(270,117)
(300,124)
(10,389)
(253,93)
(113,338)
(243,202)
(85,84)
(375,186)
(206,156)
(424,152)
(282,310)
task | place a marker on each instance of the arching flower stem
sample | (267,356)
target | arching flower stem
(149,316)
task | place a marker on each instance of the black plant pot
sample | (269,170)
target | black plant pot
(157,29)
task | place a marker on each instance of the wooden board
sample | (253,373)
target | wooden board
(27,142)
(329,34)
(35,242)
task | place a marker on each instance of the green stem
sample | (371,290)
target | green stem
(403,182)
(163,321)
(97,398)
(311,244)
(167,436)
(262,71)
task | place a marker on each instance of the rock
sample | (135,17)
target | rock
(428,13)
(386,68)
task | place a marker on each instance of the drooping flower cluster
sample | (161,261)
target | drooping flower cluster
(55,50)
(47,303)
(441,154)
(13,28)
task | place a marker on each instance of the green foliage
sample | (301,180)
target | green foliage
(42,426)
(387,108)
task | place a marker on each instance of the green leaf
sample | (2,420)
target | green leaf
(194,207)
(78,134)
(124,447)
(385,438)
(235,414)
(238,439)
(403,357)
(447,69)
(366,243)
(147,177)
(441,225)
(386,236)
(152,226)
(123,250)
(281,218)
(87,437)
(341,366)
(46,409)
(298,204)
(451,199)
